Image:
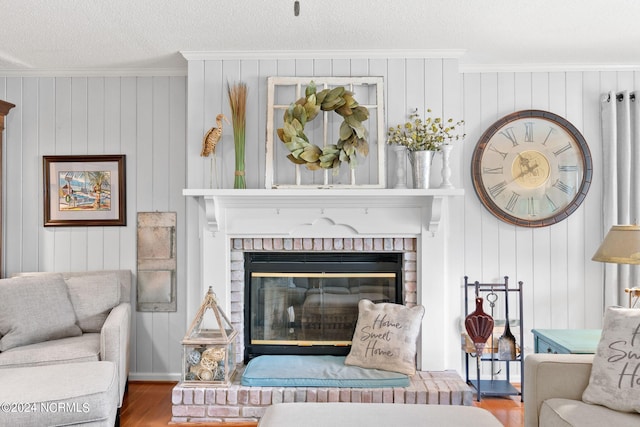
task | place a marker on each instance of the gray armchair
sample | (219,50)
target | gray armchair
(101,301)
(553,387)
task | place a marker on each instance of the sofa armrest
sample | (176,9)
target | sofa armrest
(553,375)
(114,343)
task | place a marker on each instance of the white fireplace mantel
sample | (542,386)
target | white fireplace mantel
(429,200)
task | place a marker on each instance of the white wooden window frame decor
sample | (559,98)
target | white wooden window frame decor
(375,138)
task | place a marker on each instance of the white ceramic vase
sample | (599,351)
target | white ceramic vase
(446,166)
(401,173)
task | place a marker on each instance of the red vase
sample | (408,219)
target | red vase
(479,326)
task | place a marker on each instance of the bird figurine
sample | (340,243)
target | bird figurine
(212,137)
(209,142)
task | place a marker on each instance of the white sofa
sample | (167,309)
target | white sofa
(553,387)
(34,320)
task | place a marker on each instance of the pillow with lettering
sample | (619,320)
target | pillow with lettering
(615,375)
(385,337)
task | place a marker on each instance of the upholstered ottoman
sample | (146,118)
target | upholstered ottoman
(375,415)
(60,395)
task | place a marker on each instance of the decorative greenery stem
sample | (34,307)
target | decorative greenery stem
(427,134)
(238,103)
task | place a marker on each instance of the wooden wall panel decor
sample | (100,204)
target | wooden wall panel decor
(157,252)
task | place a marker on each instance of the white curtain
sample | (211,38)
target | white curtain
(621,186)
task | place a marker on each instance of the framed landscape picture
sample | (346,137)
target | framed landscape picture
(84,190)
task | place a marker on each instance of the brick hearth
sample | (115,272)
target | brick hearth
(237,403)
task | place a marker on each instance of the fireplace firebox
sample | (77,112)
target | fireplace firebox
(307,303)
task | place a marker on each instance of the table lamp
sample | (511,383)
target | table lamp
(621,245)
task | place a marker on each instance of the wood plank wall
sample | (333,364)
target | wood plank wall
(563,287)
(147,119)
(141,117)
(409,84)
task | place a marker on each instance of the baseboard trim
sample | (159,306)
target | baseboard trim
(152,376)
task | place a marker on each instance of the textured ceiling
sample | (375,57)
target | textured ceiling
(150,34)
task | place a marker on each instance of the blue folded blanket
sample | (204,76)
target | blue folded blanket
(316,371)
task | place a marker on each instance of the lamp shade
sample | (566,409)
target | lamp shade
(621,245)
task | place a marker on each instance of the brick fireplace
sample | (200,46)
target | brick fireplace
(311,246)
(410,222)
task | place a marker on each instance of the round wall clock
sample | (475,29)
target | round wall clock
(531,168)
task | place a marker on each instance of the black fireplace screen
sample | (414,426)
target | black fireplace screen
(307,303)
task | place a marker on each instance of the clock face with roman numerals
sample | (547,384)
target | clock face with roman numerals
(531,168)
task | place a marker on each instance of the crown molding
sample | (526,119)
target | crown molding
(541,68)
(95,72)
(323,54)
(333,54)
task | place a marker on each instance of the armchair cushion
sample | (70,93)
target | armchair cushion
(615,376)
(35,309)
(93,296)
(569,412)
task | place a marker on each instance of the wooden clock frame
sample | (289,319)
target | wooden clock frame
(502,125)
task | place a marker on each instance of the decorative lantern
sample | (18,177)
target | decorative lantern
(209,354)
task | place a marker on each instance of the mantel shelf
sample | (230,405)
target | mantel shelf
(429,200)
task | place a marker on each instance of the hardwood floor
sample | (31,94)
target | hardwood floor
(509,410)
(148,404)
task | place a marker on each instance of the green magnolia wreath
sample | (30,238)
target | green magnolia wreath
(352,133)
